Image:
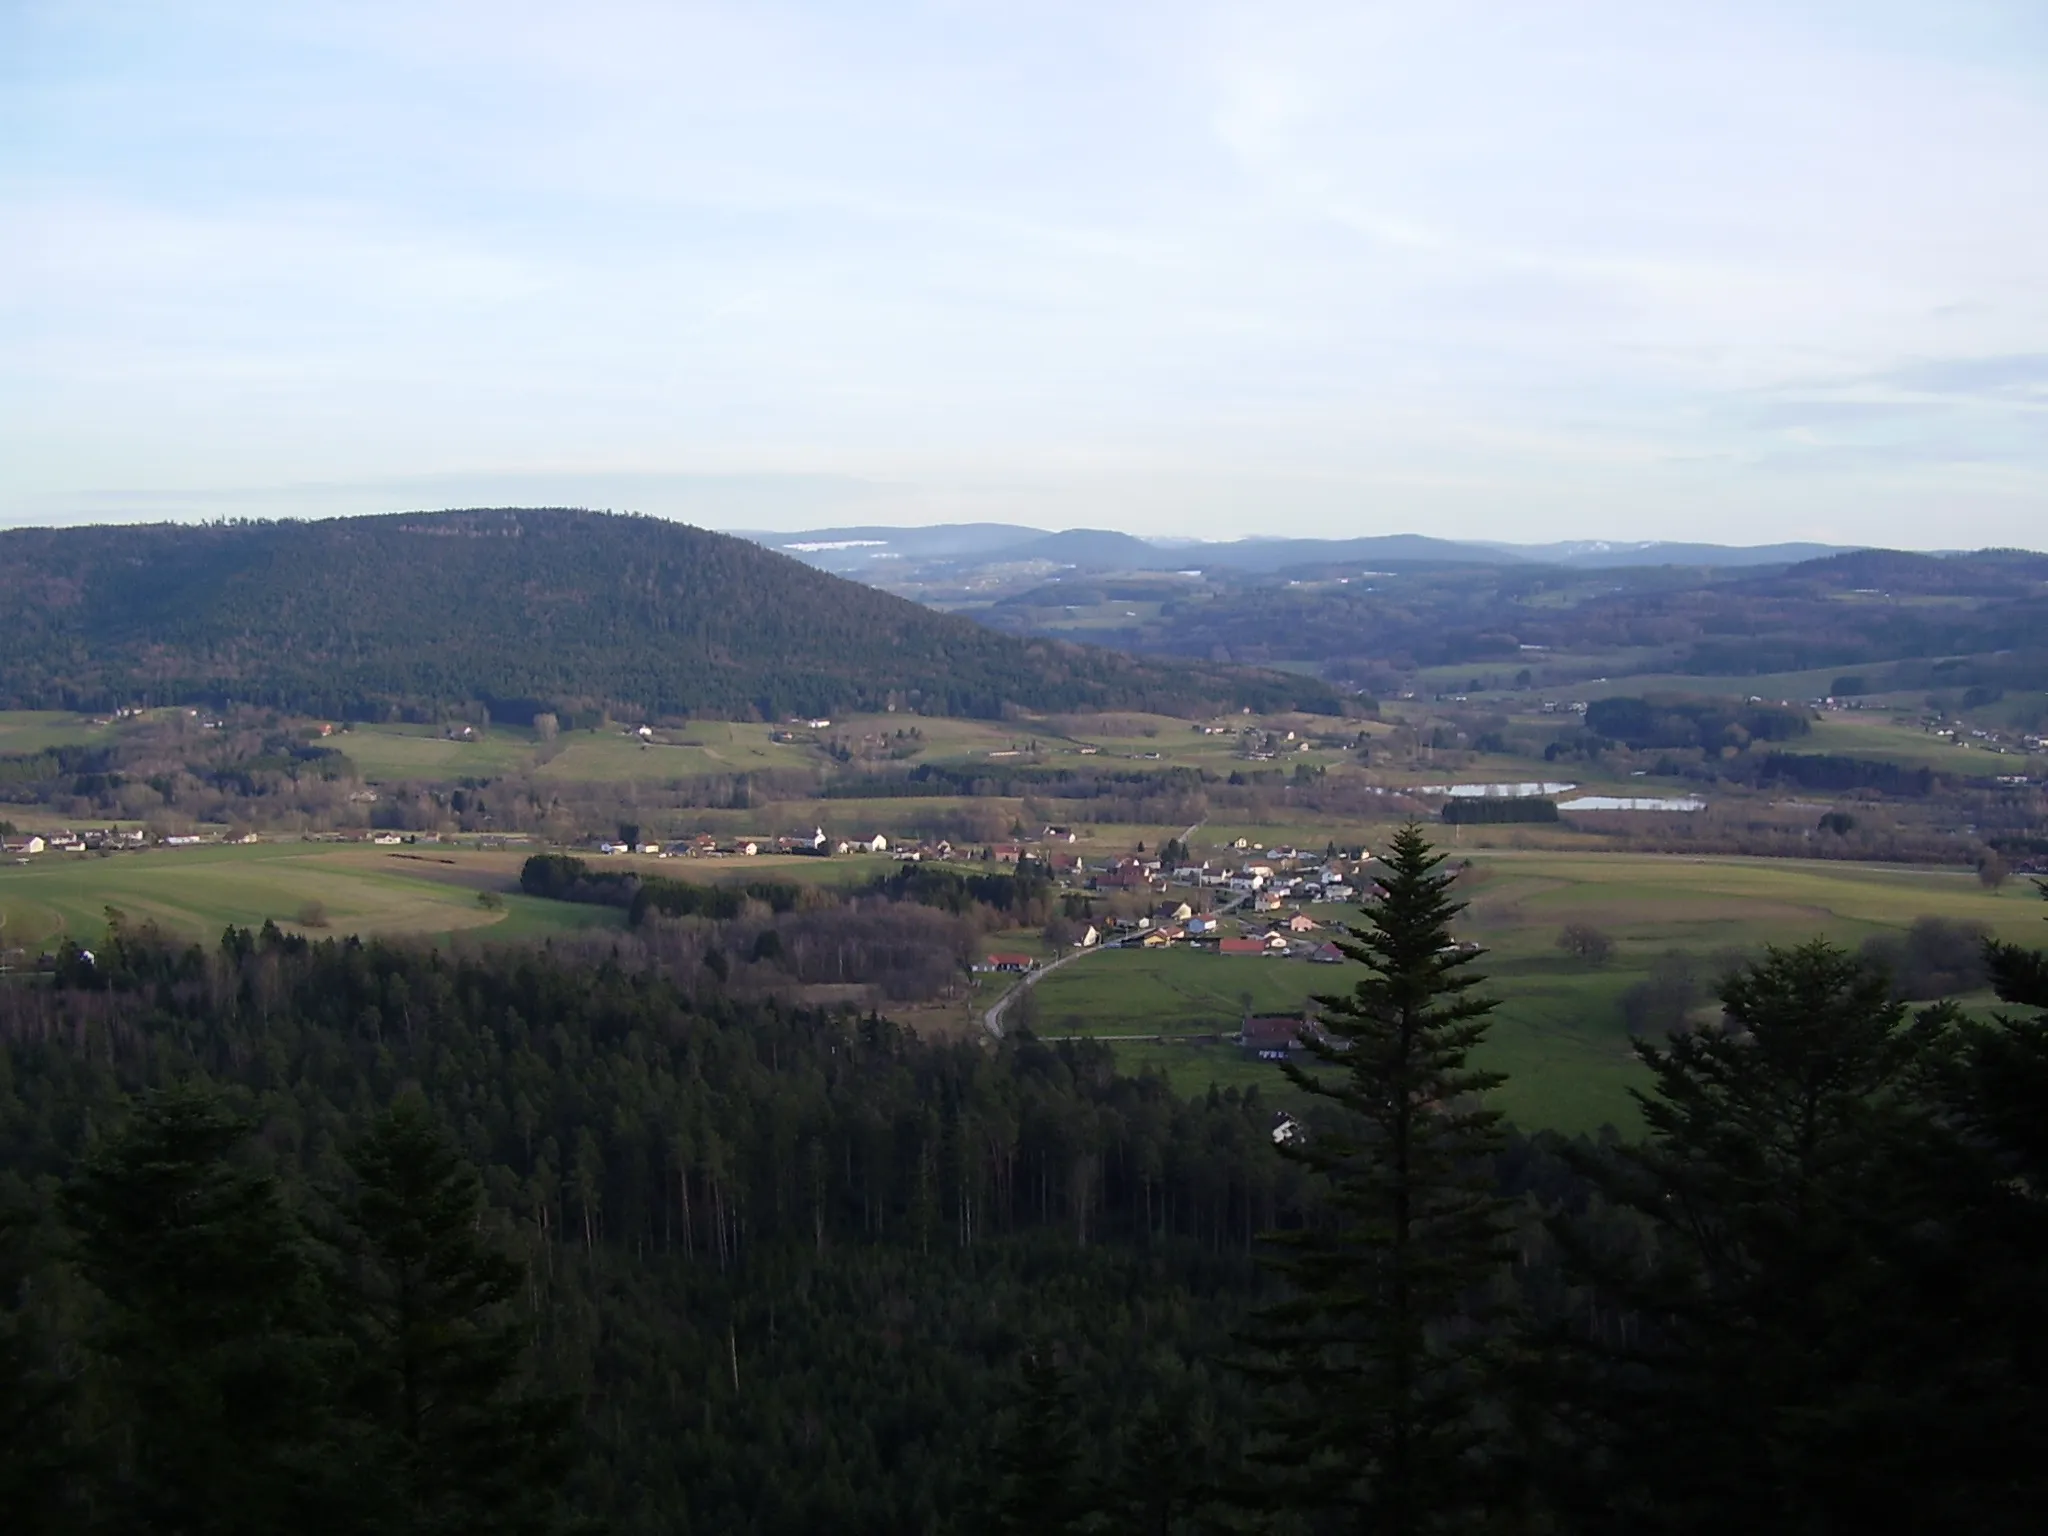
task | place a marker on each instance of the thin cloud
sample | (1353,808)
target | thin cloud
(1461,266)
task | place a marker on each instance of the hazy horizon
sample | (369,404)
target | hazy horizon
(1734,273)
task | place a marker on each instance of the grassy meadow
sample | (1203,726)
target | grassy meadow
(429,891)
(1875,736)
(34,730)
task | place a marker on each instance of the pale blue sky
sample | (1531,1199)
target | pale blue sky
(1717,270)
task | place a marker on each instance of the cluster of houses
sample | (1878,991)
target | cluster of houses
(107,839)
(1265,881)
(706,846)
(1297,934)
(1962,734)
(126,839)
(1049,848)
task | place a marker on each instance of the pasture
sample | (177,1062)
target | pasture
(427,891)
(383,753)
(1877,737)
(1559,1031)
(33,730)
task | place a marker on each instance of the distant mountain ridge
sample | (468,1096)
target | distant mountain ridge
(869,551)
(527,610)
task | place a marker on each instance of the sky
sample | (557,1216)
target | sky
(1727,270)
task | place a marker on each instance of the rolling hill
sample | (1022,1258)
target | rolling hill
(525,610)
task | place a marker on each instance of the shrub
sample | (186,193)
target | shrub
(1584,942)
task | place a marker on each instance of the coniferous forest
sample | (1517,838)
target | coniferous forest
(526,611)
(347,1236)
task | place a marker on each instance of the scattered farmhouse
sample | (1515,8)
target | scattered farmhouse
(1274,1036)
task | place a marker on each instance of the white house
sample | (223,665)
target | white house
(1089,937)
(877,844)
(28,844)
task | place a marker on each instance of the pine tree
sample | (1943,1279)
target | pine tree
(35,1389)
(1991,1086)
(1770,1359)
(1168,1464)
(1378,1362)
(2010,1061)
(455,1440)
(1040,1489)
(209,1349)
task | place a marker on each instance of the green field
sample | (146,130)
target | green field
(386,752)
(32,730)
(1871,735)
(429,891)
(1559,1032)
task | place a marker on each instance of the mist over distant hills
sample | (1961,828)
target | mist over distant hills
(886,555)
(1367,612)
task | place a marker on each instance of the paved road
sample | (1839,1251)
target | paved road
(992,1021)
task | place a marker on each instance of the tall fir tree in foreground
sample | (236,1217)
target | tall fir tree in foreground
(2005,1094)
(1994,1094)
(453,1439)
(36,1387)
(1378,1361)
(209,1355)
(1776,1356)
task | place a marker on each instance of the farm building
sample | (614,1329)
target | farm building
(1273,1036)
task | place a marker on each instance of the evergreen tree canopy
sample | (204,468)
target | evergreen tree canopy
(1784,1353)
(1381,1354)
(210,1332)
(454,1444)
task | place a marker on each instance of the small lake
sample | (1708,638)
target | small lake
(1520,791)
(1633,803)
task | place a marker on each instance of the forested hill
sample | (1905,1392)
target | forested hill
(524,610)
